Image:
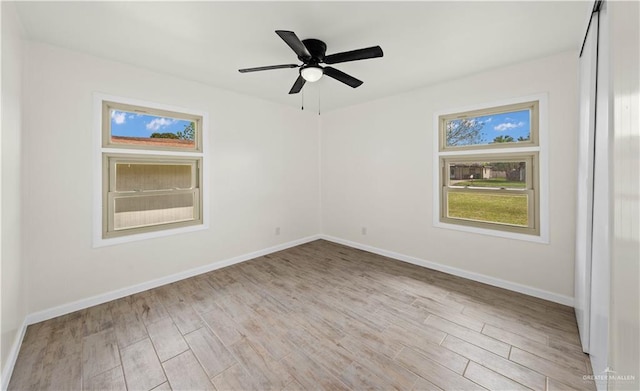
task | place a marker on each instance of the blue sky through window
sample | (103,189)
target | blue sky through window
(486,128)
(142,125)
(515,124)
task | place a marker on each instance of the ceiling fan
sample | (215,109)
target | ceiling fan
(312,53)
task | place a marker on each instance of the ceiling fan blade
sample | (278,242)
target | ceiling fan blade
(297,86)
(354,55)
(343,77)
(291,39)
(267,68)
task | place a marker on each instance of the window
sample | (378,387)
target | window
(152,169)
(489,165)
(133,127)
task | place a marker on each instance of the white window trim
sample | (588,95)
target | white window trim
(98,240)
(542,149)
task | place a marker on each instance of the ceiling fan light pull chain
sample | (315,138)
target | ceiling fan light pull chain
(302,108)
(318,99)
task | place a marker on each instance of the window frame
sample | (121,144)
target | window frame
(107,106)
(110,193)
(534,106)
(534,149)
(103,150)
(531,185)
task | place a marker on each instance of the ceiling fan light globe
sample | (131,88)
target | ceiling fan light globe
(311,74)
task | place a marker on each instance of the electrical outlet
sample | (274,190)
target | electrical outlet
(277,230)
(364,230)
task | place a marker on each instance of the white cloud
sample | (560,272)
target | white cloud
(508,125)
(488,120)
(158,123)
(118,117)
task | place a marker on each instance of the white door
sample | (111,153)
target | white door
(601,237)
(584,223)
(593,221)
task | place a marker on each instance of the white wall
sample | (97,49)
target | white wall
(11,265)
(624,320)
(263,173)
(377,171)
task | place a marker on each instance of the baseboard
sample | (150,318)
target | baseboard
(512,286)
(117,294)
(12,357)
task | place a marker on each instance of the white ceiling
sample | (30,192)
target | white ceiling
(423,42)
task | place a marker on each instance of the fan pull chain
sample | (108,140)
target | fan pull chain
(318,98)
(302,100)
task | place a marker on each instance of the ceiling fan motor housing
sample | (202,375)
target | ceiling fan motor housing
(316,48)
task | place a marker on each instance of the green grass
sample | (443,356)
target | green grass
(495,182)
(498,208)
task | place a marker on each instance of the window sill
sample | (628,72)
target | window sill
(101,242)
(543,239)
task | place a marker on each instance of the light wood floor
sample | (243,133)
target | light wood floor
(317,316)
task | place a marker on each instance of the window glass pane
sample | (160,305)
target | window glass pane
(511,127)
(498,175)
(492,208)
(151,130)
(132,212)
(140,177)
